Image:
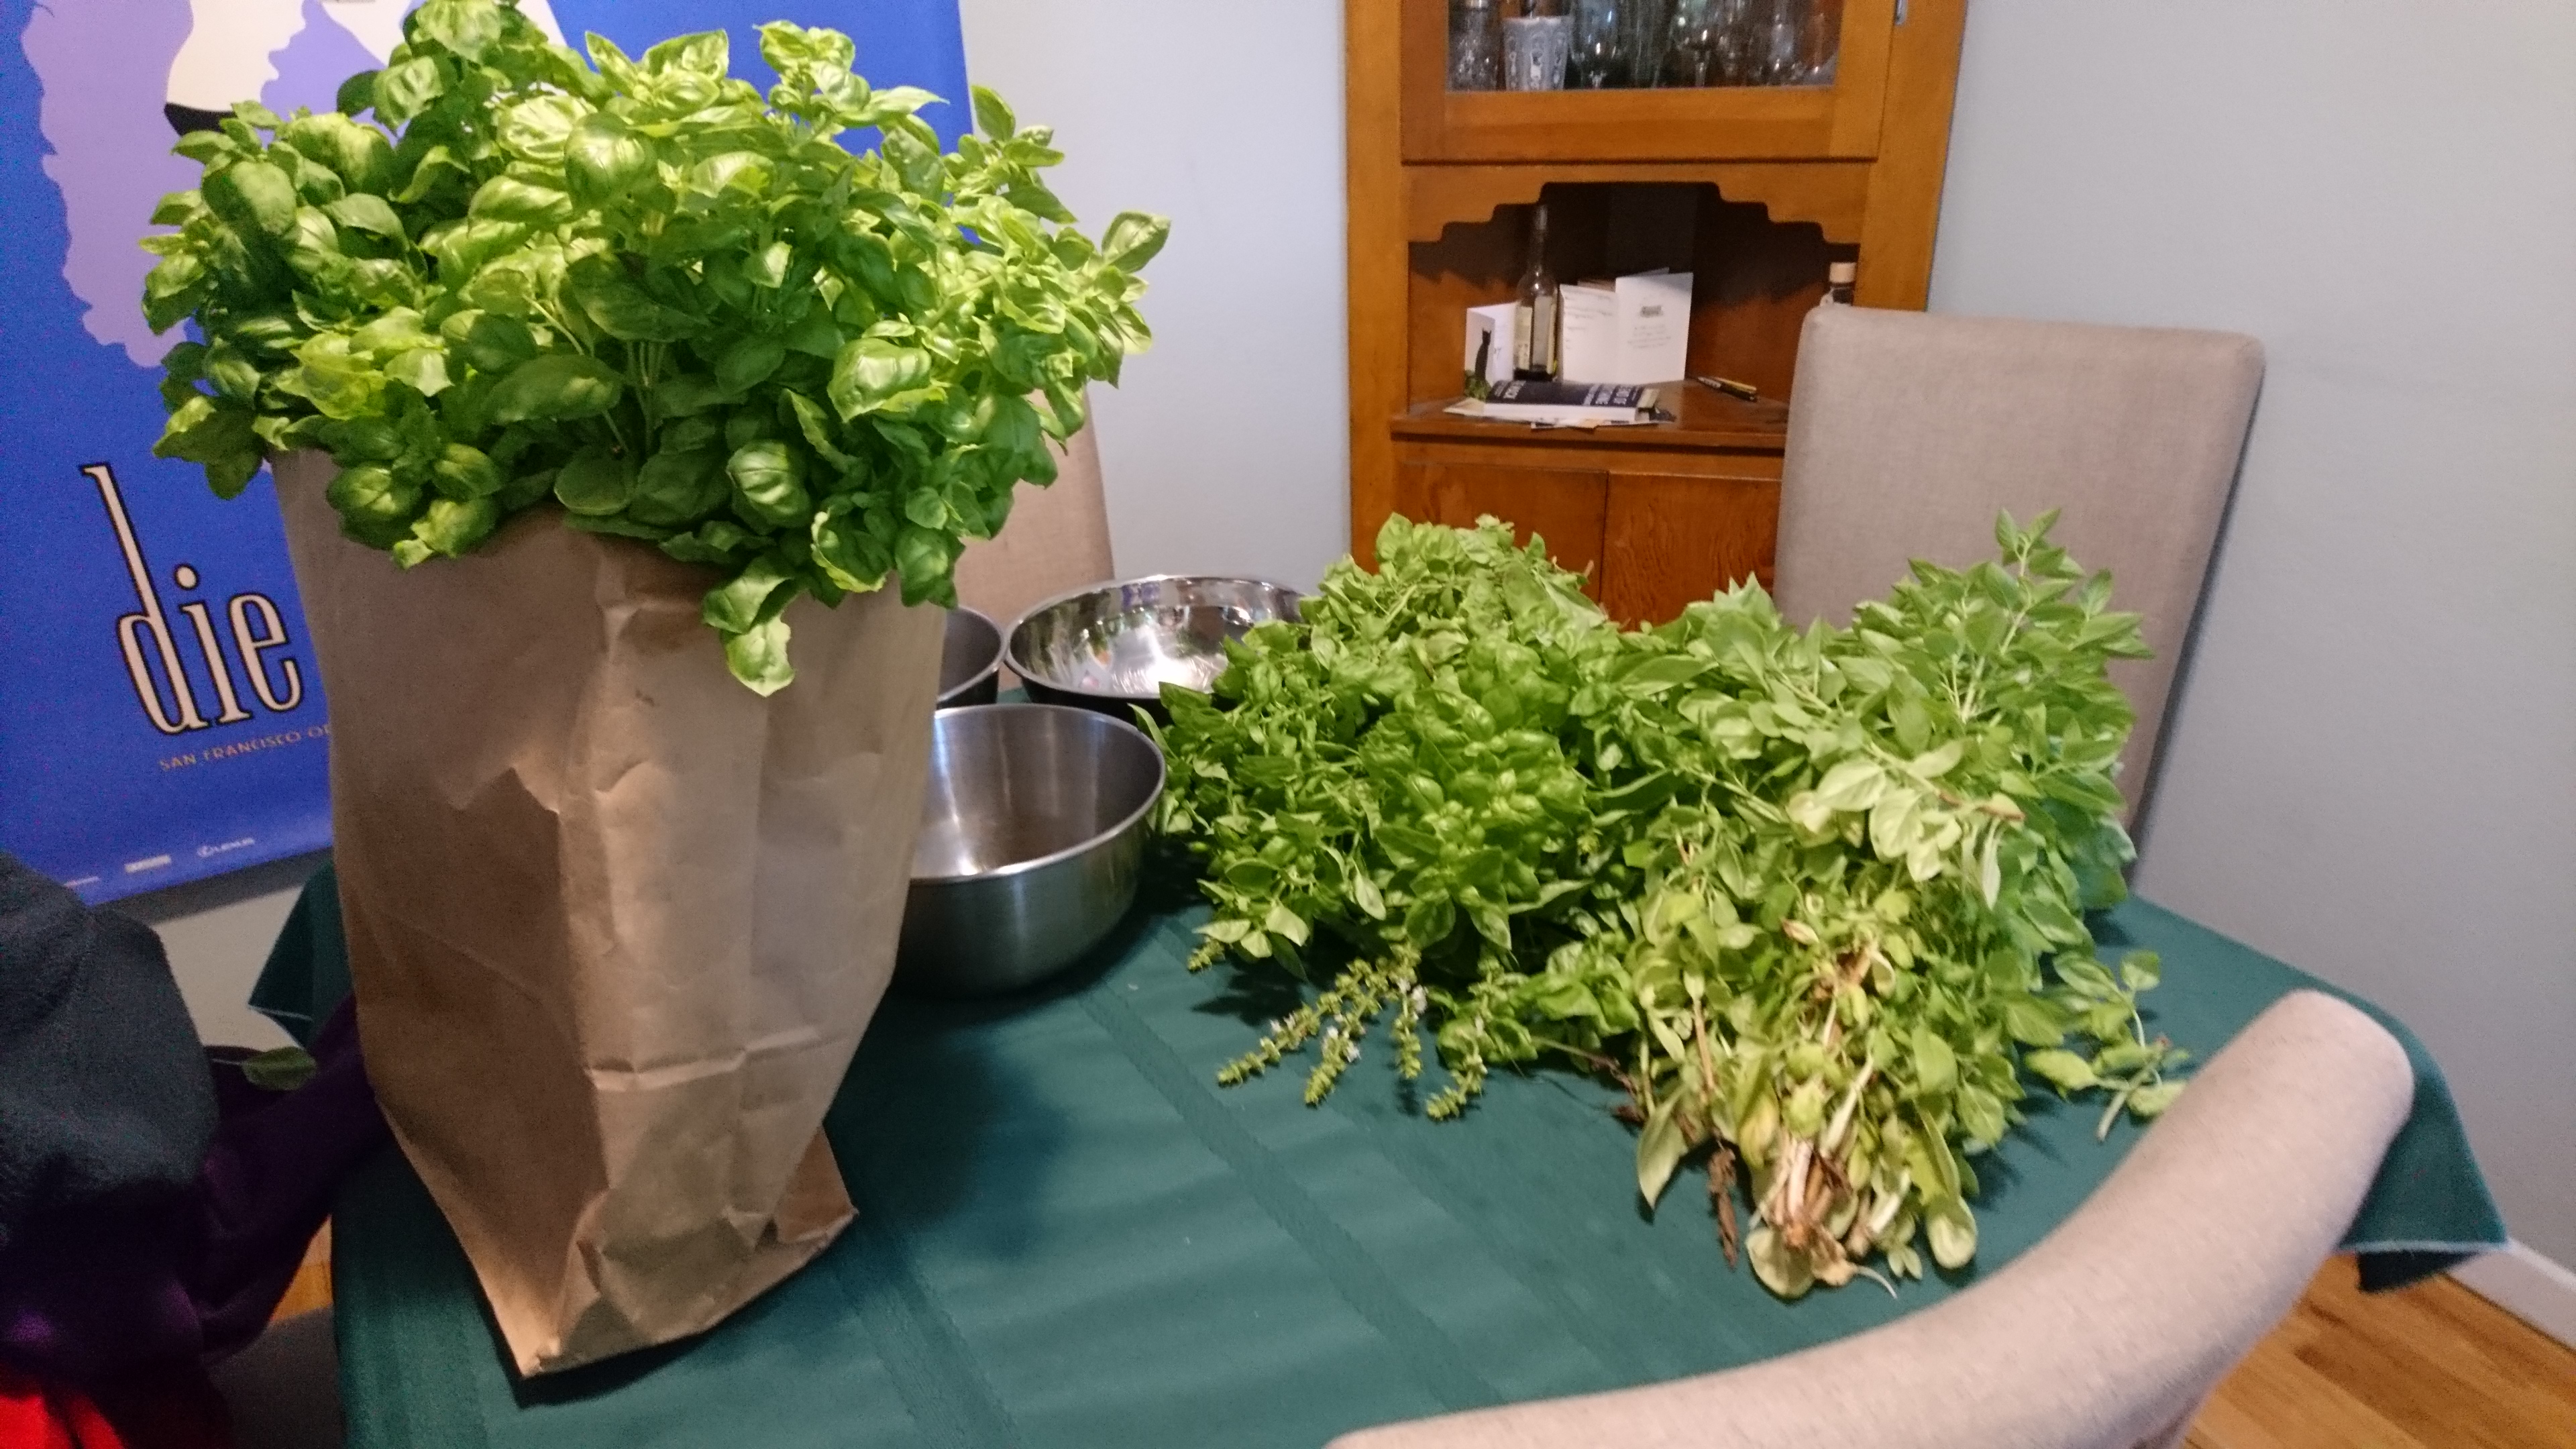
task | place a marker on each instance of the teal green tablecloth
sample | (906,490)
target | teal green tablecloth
(1068,1235)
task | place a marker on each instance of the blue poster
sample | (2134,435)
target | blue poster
(161,716)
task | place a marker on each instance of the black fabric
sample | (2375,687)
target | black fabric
(105,1101)
(184,119)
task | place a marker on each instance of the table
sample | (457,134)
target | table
(1069,1235)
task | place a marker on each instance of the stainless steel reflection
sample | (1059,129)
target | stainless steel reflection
(1112,646)
(1032,832)
(970,660)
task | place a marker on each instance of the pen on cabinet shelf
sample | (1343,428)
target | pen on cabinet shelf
(1730,387)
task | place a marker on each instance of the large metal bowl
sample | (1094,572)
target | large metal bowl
(1031,835)
(970,660)
(1112,647)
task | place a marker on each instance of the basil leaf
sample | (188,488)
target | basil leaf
(873,372)
(279,1069)
(1133,239)
(769,485)
(594,483)
(748,363)
(992,117)
(604,160)
(679,486)
(252,196)
(758,657)
(374,506)
(464,472)
(555,388)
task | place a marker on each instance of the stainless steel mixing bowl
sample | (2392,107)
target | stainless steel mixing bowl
(970,660)
(1031,835)
(1113,646)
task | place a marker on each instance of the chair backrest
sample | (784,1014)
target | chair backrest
(1057,540)
(1909,431)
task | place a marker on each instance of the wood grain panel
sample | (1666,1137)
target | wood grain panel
(1753,282)
(1834,195)
(1561,505)
(1669,541)
(2432,1366)
(1904,208)
(1374,182)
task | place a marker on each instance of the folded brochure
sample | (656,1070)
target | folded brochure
(1583,404)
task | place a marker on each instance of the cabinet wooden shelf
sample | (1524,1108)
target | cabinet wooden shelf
(1703,419)
(1753,190)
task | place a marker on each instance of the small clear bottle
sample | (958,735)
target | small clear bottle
(1839,280)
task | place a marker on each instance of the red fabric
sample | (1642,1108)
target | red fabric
(36,1416)
(159,1412)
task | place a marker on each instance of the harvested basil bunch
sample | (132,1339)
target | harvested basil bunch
(1813,900)
(639,292)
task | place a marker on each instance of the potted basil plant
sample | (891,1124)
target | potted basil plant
(571,368)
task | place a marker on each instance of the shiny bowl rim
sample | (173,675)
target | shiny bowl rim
(1162,778)
(992,667)
(1011,639)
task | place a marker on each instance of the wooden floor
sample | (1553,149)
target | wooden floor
(312,1286)
(2433,1366)
(2429,1367)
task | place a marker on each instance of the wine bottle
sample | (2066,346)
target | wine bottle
(1535,321)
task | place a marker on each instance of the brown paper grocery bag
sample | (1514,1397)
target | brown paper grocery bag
(615,921)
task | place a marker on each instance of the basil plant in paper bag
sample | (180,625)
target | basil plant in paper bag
(564,363)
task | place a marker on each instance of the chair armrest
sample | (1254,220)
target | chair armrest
(2108,1332)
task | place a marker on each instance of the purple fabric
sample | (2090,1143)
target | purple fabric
(110,1272)
(268,1181)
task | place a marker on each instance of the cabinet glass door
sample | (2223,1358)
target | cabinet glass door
(1644,80)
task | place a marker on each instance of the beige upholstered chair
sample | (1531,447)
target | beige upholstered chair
(2106,1335)
(1908,431)
(1057,539)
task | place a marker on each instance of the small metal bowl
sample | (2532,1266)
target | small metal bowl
(1032,832)
(970,660)
(1111,647)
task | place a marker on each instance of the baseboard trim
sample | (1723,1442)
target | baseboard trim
(2530,1287)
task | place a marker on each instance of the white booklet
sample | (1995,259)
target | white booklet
(1632,330)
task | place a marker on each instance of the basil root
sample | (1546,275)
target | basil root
(1814,901)
(637,292)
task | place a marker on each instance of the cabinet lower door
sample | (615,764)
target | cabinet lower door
(1564,506)
(1669,540)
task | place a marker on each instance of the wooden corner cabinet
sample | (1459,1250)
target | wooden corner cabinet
(1752,189)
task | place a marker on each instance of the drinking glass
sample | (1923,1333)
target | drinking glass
(1774,58)
(1710,43)
(1475,46)
(1534,52)
(1819,39)
(1650,24)
(1601,55)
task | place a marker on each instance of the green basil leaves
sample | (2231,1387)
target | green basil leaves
(1812,898)
(639,289)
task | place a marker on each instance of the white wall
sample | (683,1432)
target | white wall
(2373,770)
(217,934)
(1226,447)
